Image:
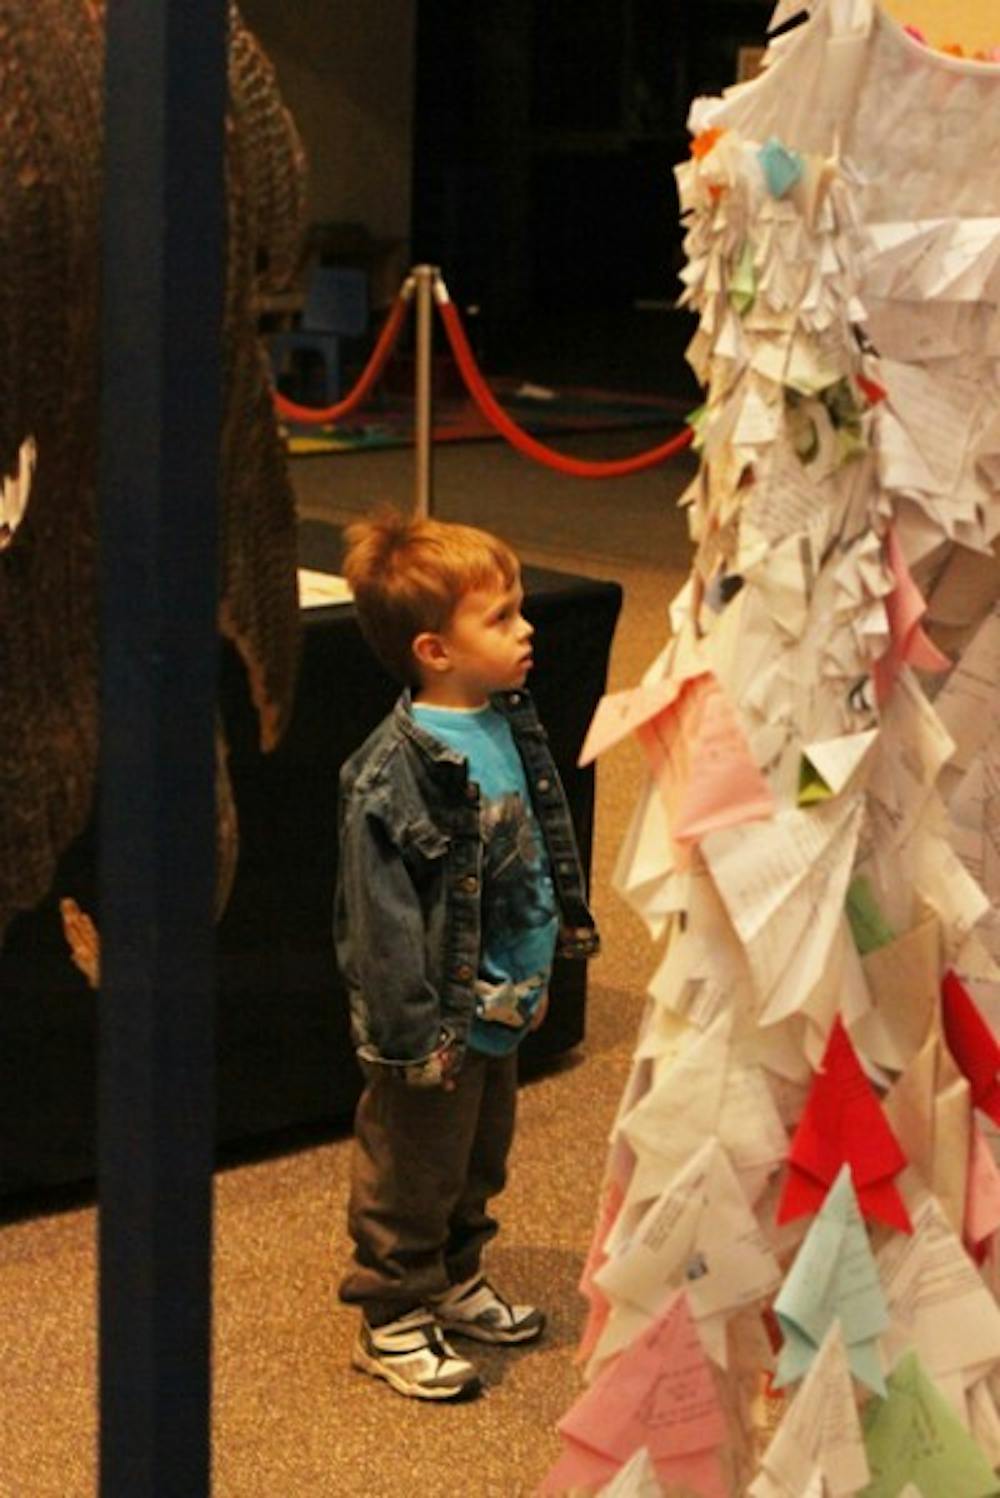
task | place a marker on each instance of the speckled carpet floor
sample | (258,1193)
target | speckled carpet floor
(291,1419)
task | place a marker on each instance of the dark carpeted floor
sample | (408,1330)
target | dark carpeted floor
(291,1420)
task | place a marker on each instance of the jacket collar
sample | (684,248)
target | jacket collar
(445,761)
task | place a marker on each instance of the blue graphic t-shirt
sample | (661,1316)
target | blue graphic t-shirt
(519,920)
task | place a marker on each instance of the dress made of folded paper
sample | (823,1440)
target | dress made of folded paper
(841,619)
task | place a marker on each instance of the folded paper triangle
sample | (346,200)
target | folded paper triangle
(659,1394)
(828,764)
(956,1336)
(833,1278)
(819,1433)
(908,644)
(973,1045)
(915,1437)
(620,713)
(700,759)
(843,1123)
(929,1108)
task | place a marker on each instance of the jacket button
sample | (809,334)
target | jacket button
(463,972)
(544,783)
(470,884)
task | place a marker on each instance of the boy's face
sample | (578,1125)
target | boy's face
(484,648)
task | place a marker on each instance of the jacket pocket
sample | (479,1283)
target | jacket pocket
(423,840)
(424,850)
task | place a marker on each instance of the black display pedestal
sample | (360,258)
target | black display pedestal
(284,1055)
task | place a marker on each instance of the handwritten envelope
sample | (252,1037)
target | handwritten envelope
(700,1234)
(938,1304)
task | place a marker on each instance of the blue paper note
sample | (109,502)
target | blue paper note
(833,1277)
(782,168)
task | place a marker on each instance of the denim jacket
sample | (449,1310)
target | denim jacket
(407,906)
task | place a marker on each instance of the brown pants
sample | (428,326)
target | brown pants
(425,1164)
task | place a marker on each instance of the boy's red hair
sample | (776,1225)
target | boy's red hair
(407,576)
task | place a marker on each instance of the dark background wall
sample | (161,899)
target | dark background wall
(346,70)
(545,136)
(525,146)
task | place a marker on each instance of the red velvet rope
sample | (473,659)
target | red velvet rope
(529,446)
(310,416)
(484,399)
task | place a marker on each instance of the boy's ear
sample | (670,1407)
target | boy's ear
(430,652)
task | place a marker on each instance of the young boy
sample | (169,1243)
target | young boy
(458,879)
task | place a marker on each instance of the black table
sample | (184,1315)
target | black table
(284,1055)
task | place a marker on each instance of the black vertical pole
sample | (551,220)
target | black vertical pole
(162,308)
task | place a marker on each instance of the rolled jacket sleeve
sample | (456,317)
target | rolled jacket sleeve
(380,938)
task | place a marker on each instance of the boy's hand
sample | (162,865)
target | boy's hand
(449,1066)
(436,1070)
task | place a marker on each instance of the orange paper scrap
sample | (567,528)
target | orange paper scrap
(705,140)
(973,1045)
(843,1123)
(658,1394)
(908,644)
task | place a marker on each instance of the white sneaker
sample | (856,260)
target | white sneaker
(412,1356)
(475,1309)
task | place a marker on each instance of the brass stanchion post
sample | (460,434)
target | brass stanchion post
(424,276)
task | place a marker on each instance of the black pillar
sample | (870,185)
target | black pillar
(160,422)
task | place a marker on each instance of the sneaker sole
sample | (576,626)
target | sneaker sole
(365,1364)
(495,1335)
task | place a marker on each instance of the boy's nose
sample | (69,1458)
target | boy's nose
(527,630)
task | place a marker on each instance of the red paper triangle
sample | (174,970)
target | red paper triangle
(872,391)
(843,1122)
(972,1043)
